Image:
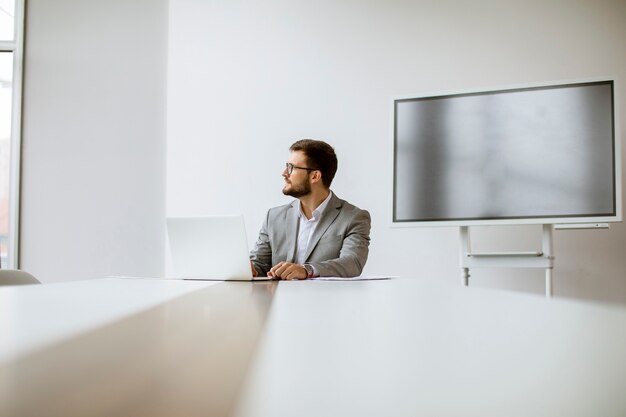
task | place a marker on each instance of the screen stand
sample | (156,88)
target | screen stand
(543,259)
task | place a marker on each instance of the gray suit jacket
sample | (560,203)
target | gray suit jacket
(338,247)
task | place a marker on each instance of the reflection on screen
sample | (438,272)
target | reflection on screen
(529,153)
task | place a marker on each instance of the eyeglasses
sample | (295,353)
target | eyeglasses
(289,167)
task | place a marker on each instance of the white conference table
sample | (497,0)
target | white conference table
(401,347)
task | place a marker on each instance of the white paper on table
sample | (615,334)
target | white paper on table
(359,278)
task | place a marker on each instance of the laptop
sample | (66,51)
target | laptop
(210,248)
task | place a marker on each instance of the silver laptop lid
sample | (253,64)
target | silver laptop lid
(209,247)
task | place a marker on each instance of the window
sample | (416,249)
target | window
(11,24)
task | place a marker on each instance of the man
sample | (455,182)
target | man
(318,234)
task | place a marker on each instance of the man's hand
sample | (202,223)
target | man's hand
(254,273)
(288,270)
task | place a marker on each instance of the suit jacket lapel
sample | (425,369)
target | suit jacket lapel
(328,217)
(291,230)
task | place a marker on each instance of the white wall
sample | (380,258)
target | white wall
(247,78)
(94,138)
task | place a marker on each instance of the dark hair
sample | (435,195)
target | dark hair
(320,155)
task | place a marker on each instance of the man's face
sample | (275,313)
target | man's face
(297,183)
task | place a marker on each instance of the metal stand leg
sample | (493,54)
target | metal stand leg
(465,249)
(548,252)
(549,283)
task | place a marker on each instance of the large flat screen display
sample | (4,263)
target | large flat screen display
(542,154)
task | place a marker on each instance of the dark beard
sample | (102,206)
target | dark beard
(298,192)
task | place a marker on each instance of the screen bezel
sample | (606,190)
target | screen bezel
(573,219)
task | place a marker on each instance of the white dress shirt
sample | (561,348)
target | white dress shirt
(306,227)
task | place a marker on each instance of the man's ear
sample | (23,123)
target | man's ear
(316,176)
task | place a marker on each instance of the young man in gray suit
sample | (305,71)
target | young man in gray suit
(318,234)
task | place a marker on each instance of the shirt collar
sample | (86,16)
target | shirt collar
(318,210)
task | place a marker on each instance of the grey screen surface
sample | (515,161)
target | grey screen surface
(512,154)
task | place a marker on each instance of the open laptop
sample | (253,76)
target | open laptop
(210,248)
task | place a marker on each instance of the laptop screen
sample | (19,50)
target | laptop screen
(209,247)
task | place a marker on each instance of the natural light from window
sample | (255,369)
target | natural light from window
(11,12)
(7,20)
(6,77)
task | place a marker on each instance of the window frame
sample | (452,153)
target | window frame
(16,47)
